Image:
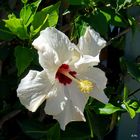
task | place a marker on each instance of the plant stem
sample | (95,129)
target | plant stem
(90,124)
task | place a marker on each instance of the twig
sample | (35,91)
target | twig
(119,35)
(132,93)
(8,117)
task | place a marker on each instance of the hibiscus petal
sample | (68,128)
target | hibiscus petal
(46,61)
(96,76)
(77,97)
(70,113)
(85,62)
(54,49)
(91,43)
(99,95)
(33,89)
(56,100)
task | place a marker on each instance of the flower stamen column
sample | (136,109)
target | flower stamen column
(85,86)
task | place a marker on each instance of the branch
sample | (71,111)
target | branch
(8,117)
(119,35)
(132,93)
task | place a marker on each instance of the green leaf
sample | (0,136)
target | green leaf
(79,28)
(117,19)
(23,58)
(16,26)
(130,110)
(53,133)
(113,18)
(53,12)
(106,109)
(138,110)
(24,1)
(133,70)
(34,32)
(94,20)
(76,131)
(5,34)
(138,1)
(78,2)
(107,15)
(28,11)
(99,22)
(45,18)
(134,105)
(97,123)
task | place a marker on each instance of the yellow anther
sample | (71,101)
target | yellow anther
(85,86)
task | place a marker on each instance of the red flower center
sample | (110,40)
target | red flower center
(64,68)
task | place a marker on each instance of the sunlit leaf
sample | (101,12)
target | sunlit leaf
(34,32)
(24,1)
(28,11)
(138,1)
(16,26)
(117,19)
(138,110)
(107,15)
(130,110)
(113,18)
(45,18)
(106,109)
(134,105)
(79,28)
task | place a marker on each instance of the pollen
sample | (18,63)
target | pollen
(86,86)
(66,76)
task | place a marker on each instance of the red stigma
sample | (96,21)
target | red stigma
(61,77)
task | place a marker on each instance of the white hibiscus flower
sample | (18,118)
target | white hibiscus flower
(68,77)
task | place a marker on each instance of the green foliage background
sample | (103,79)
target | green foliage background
(21,22)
